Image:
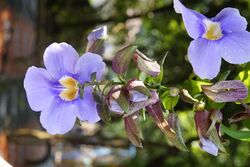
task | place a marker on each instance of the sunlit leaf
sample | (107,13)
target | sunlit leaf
(236,134)
(168,101)
(244,77)
(193,86)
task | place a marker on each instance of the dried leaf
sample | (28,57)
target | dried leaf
(155,111)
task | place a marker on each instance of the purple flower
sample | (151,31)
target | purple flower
(223,36)
(55,90)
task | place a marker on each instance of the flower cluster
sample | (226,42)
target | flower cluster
(73,87)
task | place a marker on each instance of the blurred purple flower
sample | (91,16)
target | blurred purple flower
(223,36)
(55,91)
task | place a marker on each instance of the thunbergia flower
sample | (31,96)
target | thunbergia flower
(55,90)
(223,36)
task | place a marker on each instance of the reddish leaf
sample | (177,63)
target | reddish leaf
(239,116)
(132,129)
(122,59)
(155,111)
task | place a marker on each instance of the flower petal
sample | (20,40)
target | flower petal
(60,59)
(37,84)
(208,146)
(235,47)
(86,107)
(192,20)
(59,117)
(231,20)
(205,58)
(88,64)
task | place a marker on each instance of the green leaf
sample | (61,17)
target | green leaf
(244,77)
(178,140)
(212,105)
(193,86)
(168,101)
(236,134)
(224,75)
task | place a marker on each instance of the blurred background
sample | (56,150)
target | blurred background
(27,27)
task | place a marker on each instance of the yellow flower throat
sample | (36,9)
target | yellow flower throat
(70,90)
(213,30)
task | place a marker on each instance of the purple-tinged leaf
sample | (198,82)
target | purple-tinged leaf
(96,40)
(147,65)
(132,129)
(239,116)
(202,122)
(155,111)
(178,140)
(122,59)
(226,91)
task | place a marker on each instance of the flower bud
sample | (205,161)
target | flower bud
(138,91)
(186,97)
(226,91)
(208,128)
(118,99)
(147,65)
(96,40)
(199,106)
(174,91)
